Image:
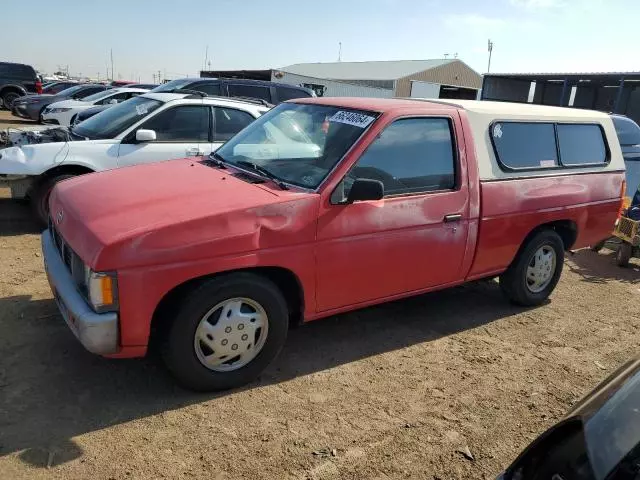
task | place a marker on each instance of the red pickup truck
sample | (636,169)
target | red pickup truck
(322,206)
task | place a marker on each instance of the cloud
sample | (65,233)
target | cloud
(474,21)
(536,4)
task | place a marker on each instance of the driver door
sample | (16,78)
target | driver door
(412,239)
(181,131)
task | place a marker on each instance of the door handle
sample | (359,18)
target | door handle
(452,218)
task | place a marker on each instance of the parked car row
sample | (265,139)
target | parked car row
(148,127)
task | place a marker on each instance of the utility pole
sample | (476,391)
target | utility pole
(206,57)
(113,75)
(159,81)
(490,48)
(339,51)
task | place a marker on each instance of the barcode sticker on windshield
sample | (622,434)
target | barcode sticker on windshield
(352,118)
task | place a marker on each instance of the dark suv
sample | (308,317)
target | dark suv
(17,80)
(270,92)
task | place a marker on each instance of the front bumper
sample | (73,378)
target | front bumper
(98,332)
(20,185)
(23,111)
(50,120)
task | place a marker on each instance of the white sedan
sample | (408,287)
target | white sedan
(63,113)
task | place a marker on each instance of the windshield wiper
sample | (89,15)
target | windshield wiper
(216,159)
(263,171)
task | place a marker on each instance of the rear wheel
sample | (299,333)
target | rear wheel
(8,98)
(226,332)
(623,254)
(536,270)
(40,197)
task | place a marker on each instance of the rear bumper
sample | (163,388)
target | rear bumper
(98,332)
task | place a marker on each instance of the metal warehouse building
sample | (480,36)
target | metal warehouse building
(607,92)
(441,78)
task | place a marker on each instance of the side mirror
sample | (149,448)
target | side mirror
(143,136)
(365,189)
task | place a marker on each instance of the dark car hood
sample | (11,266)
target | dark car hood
(603,428)
(43,96)
(176,211)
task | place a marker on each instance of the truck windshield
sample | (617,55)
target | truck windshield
(114,120)
(298,143)
(174,85)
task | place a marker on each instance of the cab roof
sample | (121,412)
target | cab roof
(491,109)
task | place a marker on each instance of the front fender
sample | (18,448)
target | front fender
(32,159)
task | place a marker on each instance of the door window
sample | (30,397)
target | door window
(120,97)
(85,92)
(411,155)
(252,91)
(210,88)
(288,93)
(229,121)
(187,123)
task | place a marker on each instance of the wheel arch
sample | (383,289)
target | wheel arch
(12,87)
(65,169)
(286,280)
(566,229)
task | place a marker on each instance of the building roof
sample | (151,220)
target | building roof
(376,70)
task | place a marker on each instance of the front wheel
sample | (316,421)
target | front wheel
(40,197)
(226,332)
(536,270)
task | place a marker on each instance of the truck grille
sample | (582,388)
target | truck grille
(69,257)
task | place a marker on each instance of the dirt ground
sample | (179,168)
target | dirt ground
(388,392)
(8,120)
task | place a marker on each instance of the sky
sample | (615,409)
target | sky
(172,37)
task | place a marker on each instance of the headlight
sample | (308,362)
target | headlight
(57,110)
(102,290)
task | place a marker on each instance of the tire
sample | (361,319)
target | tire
(623,254)
(515,281)
(40,197)
(182,348)
(8,98)
(40,119)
